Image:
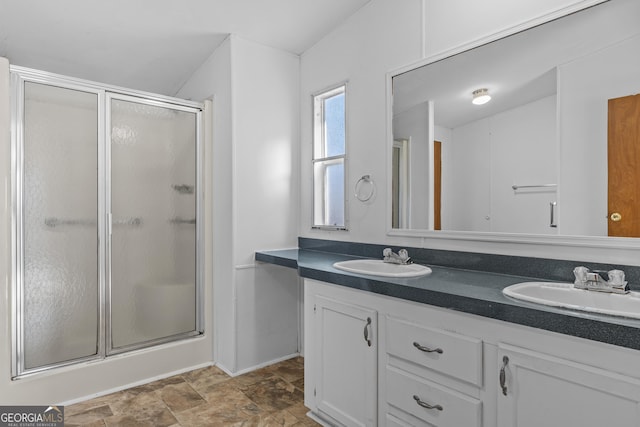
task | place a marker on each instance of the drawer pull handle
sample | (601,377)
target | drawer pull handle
(503,375)
(366,331)
(427,349)
(425,404)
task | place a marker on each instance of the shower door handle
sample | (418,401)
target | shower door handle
(109,223)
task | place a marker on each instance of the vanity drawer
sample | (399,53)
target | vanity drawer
(411,394)
(446,352)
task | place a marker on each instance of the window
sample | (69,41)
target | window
(329,140)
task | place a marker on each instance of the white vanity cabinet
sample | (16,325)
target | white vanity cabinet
(341,363)
(543,390)
(432,376)
(430,366)
(369,361)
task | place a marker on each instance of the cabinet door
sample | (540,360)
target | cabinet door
(542,390)
(345,368)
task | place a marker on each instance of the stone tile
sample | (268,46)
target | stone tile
(128,421)
(144,406)
(273,394)
(79,407)
(203,380)
(210,417)
(252,377)
(290,370)
(280,418)
(204,397)
(299,384)
(299,410)
(163,418)
(90,415)
(228,398)
(153,386)
(94,424)
(180,397)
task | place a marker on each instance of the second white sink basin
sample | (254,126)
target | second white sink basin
(377,267)
(566,296)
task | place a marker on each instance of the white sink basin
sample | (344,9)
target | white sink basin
(566,296)
(376,267)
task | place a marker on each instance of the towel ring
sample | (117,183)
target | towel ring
(363,197)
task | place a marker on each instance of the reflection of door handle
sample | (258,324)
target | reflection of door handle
(615,217)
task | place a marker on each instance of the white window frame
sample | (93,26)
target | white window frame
(319,158)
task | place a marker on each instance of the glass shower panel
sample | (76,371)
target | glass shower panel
(60,281)
(153,205)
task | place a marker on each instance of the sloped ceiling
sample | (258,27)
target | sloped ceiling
(154,45)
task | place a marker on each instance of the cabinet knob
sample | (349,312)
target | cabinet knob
(615,217)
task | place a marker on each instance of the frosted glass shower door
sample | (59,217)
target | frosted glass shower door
(58,251)
(153,207)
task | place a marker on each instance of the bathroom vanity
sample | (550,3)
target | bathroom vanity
(449,349)
(375,360)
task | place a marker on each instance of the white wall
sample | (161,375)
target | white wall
(71,383)
(383,35)
(213,81)
(468,167)
(256,94)
(486,157)
(387,36)
(583,96)
(524,151)
(454,23)
(266,130)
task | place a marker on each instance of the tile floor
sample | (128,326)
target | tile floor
(271,396)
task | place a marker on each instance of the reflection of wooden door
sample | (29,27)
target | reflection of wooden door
(624,166)
(437,183)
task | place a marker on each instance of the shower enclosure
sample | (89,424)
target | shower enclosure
(106,214)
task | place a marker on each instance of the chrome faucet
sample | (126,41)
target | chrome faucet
(402,257)
(599,280)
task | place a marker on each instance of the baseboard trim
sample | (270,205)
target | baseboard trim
(256,367)
(137,383)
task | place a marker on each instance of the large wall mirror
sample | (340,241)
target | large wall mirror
(556,150)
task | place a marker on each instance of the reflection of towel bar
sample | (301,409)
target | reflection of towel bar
(517,187)
(183,188)
(182,221)
(56,222)
(129,221)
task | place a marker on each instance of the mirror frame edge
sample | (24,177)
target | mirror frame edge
(567,241)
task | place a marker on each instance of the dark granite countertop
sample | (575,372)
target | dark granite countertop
(464,290)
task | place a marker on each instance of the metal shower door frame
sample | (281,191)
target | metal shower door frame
(20,76)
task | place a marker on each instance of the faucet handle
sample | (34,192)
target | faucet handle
(581,274)
(616,278)
(404,256)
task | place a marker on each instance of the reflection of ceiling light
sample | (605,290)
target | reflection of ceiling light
(481,96)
